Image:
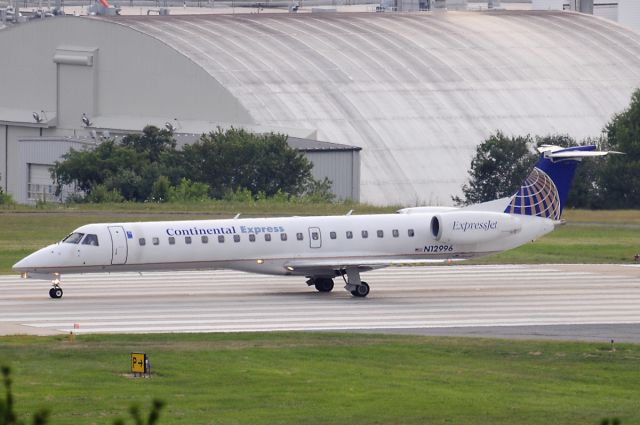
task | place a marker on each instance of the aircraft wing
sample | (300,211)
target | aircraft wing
(324,266)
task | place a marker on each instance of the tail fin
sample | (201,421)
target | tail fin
(545,189)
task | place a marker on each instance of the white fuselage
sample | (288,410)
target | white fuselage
(312,246)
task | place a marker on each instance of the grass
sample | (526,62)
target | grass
(294,378)
(589,236)
(576,243)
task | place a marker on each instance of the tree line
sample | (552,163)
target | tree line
(501,163)
(222,164)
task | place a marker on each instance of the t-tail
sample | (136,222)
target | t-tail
(545,190)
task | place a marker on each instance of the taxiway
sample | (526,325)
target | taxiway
(589,302)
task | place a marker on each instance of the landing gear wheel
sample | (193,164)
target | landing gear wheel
(55,292)
(324,285)
(361,290)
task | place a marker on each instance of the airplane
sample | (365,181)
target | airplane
(321,248)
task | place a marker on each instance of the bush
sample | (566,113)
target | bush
(317,191)
(160,189)
(188,191)
(100,194)
(5,198)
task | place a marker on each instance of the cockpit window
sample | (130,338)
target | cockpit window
(73,238)
(90,240)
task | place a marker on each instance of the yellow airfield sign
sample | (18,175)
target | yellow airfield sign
(138,362)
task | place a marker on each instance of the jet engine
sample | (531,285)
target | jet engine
(468,227)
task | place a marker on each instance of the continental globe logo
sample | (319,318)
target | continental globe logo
(538,196)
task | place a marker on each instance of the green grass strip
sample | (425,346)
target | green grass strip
(316,378)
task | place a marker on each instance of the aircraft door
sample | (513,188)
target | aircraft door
(119,245)
(315,237)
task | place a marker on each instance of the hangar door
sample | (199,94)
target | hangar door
(40,185)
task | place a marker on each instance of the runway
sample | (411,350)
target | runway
(596,302)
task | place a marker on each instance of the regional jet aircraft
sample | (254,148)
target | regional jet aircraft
(321,248)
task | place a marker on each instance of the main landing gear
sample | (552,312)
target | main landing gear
(352,281)
(357,287)
(322,284)
(56,291)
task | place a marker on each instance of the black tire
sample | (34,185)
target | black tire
(324,285)
(361,290)
(52,293)
(58,292)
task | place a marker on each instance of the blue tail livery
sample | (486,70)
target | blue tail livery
(545,190)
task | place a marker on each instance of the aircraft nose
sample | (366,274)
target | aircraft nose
(24,265)
(33,262)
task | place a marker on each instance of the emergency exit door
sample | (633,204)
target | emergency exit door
(315,237)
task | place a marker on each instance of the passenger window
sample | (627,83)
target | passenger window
(252,238)
(73,238)
(156,241)
(267,237)
(349,234)
(283,236)
(90,240)
(380,233)
(411,233)
(315,236)
(395,233)
(187,240)
(299,236)
(204,239)
(236,238)
(142,242)
(221,238)
(333,235)
(172,240)
(365,234)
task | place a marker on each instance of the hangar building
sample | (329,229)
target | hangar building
(417,92)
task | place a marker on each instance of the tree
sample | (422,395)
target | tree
(129,168)
(620,178)
(148,166)
(501,164)
(152,143)
(236,159)
(498,169)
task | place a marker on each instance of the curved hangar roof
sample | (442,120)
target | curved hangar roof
(417,92)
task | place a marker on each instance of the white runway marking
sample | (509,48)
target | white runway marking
(401,298)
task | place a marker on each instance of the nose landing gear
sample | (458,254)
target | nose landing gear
(56,291)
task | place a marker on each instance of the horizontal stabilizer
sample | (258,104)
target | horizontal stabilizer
(574,153)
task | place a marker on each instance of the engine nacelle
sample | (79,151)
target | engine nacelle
(468,227)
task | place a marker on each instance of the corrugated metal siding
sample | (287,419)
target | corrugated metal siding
(3,157)
(629,14)
(606,11)
(43,151)
(341,167)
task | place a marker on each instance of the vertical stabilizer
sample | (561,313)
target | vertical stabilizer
(545,190)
